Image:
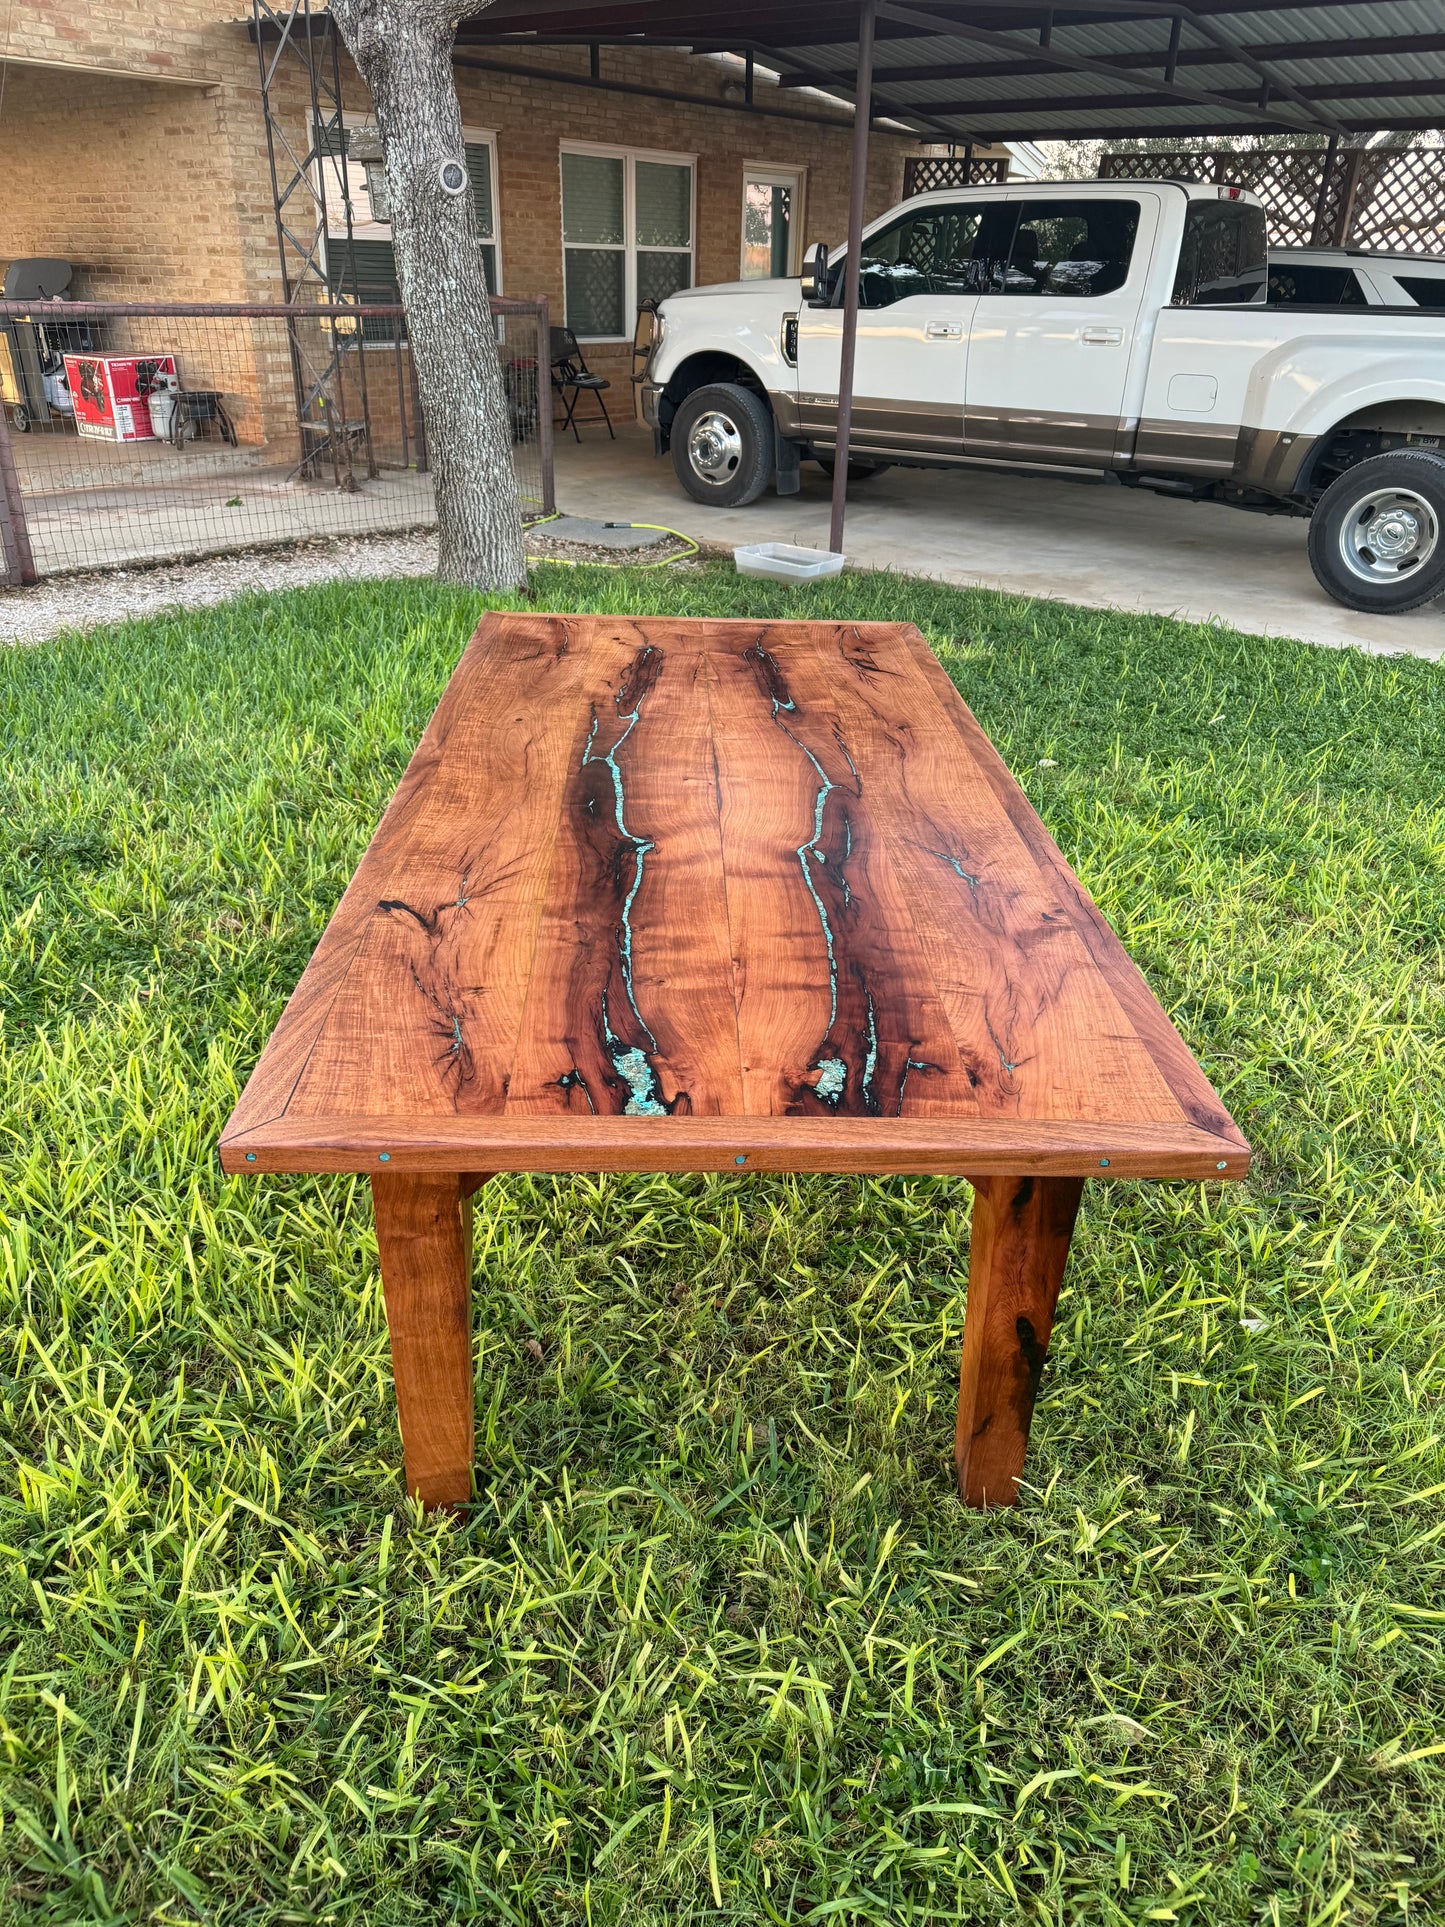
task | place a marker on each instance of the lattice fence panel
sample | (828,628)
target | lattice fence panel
(1399,202)
(1183,165)
(1385,198)
(924,172)
(1286,180)
(1331,212)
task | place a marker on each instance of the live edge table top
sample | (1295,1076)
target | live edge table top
(695,895)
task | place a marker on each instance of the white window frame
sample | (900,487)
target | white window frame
(628,247)
(486,137)
(797,178)
(370,230)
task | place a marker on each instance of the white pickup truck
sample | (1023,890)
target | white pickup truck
(1081,327)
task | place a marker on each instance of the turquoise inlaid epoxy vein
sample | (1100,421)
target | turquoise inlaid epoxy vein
(967,876)
(636,1070)
(997,1043)
(832,1079)
(573,1080)
(809,852)
(642,846)
(630,1061)
(870,1062)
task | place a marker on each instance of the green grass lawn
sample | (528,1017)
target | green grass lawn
(718,1642)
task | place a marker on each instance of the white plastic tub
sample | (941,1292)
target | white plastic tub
(786,562)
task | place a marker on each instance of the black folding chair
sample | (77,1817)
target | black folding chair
(572,378)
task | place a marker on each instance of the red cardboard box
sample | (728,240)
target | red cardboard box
(109,394)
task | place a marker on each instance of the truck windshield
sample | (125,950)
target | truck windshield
(1224,257)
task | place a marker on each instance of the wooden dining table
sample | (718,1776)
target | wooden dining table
(720,896)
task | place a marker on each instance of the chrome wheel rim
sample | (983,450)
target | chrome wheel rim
(715,447)
(1387,534)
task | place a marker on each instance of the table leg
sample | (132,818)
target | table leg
(424,1235)
(1019,1244)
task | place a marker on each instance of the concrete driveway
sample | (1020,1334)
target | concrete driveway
(1090,542)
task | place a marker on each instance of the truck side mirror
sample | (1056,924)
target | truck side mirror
(815,275)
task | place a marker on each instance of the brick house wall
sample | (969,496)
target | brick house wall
(532,120)
(120,177)
(134,145)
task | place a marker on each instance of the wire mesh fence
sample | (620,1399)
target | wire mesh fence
(1385,198)
(149,433)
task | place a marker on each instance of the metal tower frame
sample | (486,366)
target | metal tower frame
(293,42)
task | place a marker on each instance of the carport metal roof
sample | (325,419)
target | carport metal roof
(1075,69)
(991,70)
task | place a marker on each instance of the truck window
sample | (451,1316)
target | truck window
(1224,256)
(929,251)
(1305,284)
(1425,290)
(1068,248)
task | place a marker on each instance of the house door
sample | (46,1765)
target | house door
(916,300)
(772,223)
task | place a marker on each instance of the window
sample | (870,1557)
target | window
(1425,290)
(1304,284)
(927,252)
(772,208)
(626,236)
(482,172)
(367,272)
(1066,248)
(1224,256)
(371,254)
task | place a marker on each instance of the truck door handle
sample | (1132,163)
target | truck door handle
(1103,337)
(943,331)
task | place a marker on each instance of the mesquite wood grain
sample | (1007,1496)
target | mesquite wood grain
(678,895)
(670,894)
(1018,1247)
(424,1235)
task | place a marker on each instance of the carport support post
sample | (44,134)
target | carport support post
(17,564)
(862,114)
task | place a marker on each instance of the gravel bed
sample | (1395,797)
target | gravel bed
(68,602)
(666,550)
(85,601)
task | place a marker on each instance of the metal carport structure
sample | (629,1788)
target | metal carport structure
(961,71)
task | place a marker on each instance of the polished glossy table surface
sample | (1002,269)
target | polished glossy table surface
(721,895)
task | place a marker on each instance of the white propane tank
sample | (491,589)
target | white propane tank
(57,392)
(163,405)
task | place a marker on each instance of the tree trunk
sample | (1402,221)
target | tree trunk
(403,49)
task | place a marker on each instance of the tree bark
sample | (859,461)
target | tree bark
(403,51)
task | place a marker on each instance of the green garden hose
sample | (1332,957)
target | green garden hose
(569,562)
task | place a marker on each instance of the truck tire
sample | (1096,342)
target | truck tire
(722,444)
(1377,536)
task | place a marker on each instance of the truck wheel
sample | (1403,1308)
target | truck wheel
(1377,536)
(20,419)
(722,444)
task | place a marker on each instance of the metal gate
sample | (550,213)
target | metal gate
(213,458)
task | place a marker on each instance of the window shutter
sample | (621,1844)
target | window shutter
(479,171)
(375,269)
(375,284)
